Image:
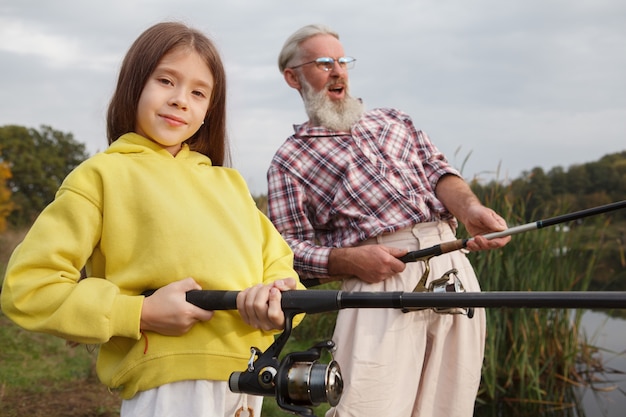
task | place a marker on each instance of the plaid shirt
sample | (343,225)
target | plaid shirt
(335,189)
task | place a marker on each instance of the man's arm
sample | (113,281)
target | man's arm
(457,196)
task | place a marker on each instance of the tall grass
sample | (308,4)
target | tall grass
(536,358)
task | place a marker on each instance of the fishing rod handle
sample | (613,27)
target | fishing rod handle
(317,301)
(436,250)
(213,300)
(208,299)
(455,245)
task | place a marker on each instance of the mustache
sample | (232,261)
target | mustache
(340,82)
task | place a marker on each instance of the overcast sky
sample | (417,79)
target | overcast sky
(504,85)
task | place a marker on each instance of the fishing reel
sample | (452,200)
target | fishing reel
(442,285)
(298,381)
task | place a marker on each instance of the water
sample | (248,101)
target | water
(609,333)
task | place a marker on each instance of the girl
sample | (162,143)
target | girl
(157,210)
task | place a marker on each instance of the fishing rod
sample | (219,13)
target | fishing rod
(299,381)
(322,301)
(426,254)
(445,247)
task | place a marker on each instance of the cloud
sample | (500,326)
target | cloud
(18,38)
(517,84)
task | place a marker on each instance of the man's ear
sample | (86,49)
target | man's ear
(292,79)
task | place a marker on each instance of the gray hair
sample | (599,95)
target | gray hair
(290,48)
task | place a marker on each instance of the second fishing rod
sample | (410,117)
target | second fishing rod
(442,284)
(458,244)
(426,254)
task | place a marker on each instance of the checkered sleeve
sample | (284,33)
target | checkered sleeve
(287,210)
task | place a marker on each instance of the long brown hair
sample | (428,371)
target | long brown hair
(141,60)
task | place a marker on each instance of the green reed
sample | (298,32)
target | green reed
(536,358)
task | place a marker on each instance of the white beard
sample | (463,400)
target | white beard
(322,111)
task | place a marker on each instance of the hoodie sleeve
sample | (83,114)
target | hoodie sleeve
(43,290)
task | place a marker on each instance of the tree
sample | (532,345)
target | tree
(577,179)
(39,161)
(534,189)
(558,180)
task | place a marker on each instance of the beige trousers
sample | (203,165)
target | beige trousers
(420,363)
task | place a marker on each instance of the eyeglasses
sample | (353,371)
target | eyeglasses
(326,63)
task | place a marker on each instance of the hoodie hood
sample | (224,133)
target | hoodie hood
(132,143)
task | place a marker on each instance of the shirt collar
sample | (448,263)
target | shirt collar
(306,130)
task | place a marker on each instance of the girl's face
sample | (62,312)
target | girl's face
(175,99)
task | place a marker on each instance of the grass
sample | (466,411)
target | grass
(41,376)
(26,357)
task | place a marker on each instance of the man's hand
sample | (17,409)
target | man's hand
(167,311)
(369,263)
(459,199)
(480,220)
(260,306)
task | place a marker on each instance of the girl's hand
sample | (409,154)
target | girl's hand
(167,311)
(260,307)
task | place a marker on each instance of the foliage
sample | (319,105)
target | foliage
(537,195)
(6,204)
(39,161)
(579,187)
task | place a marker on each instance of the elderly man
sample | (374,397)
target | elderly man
(352,191)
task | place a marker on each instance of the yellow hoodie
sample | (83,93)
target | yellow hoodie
(140,218)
